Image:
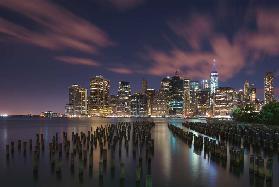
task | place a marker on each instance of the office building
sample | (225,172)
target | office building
(224,101)
(194,88)
(99,96)
(124,96)
(187,98)
(77,105)
(176,96)
(268,88)
(214,80)
(150,93)
(139,105)
(203,102)
(205,84)
(159,106)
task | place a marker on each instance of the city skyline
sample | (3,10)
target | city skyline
(42,53)
(177,97)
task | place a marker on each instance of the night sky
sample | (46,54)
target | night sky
(45,46)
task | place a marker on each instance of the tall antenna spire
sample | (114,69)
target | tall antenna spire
(214,68)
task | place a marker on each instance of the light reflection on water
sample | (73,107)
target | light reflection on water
(174,164)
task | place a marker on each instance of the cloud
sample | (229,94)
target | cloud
(266,38)
(193,30)
(58,28)
(232,54)
(122,4)
(77,60)
(121,70)
(198,64)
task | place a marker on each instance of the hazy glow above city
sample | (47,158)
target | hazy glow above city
(46,46)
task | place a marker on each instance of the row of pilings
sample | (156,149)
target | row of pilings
(109,143)
(258,137)
(222,151)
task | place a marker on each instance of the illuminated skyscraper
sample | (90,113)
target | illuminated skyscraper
(99,96)
(124,96)
(204,84)
(268,88)
(165,90)
(246,91)
(194,88)
(214,79)
(139,105)
(77,105)
(224,99)
(150,93)
(187,98)
(240,98)
(176,96)
(159,106)
(252,93)
(203,101)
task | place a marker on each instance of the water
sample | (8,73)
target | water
(174,163)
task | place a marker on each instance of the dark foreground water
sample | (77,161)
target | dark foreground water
(174,164)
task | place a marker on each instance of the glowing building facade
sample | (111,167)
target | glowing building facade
(99,97)
(268,88)
(187,98)
(139,105)
(165,91)
(214,80)
(150,93)
(176,96)
(194,88)
(205,84)
(77,105)
(159,106)
(224,101)
(124,97)
(203,102)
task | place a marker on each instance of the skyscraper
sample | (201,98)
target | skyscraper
(187,99)
(124,96)
(252,93)
(203,100)
(144,86)
(204,84)
(214,79)
(176,96)
(246,91)
(77,105)
(139,105)
(194,88)
(268,88)
(224,99)
(150,93)
(239,98)
(99,96)
(159,106)
(165,91)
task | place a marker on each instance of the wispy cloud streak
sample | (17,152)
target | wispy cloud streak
(77,60)
(58,28)
(121,70)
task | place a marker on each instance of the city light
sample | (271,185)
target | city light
(4,115)
(177,97)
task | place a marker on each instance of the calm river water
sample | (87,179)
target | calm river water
(174,164)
